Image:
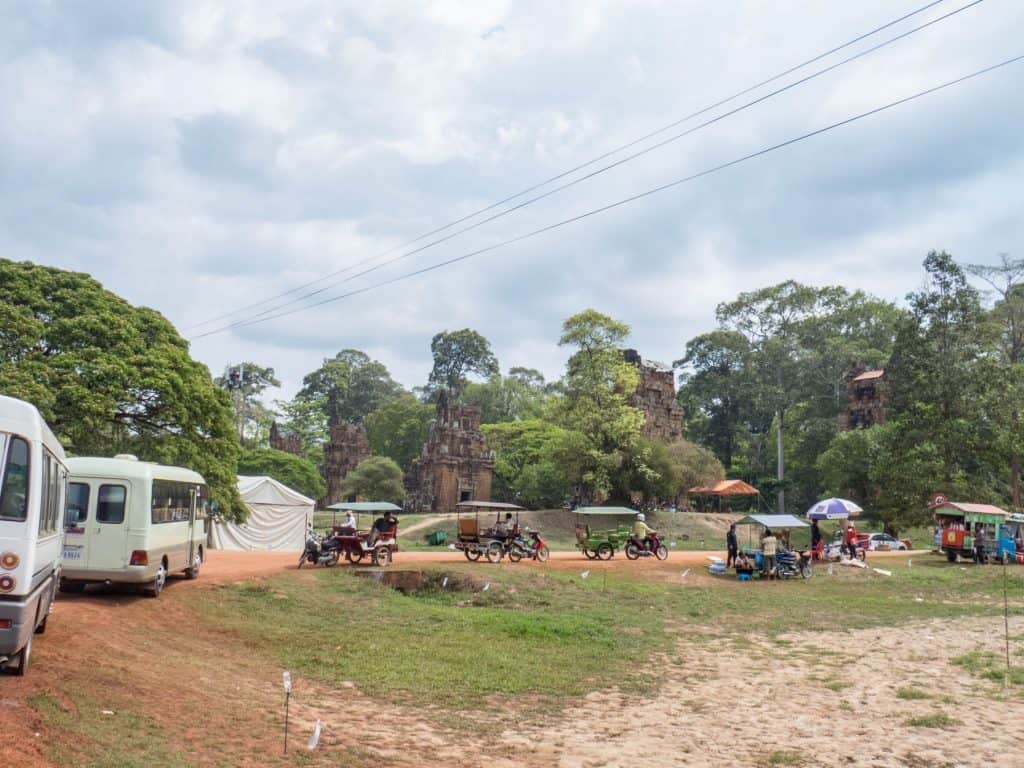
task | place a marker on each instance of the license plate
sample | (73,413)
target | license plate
(72,553)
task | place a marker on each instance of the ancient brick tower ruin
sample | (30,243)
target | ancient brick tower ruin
(655,396)
(866,393)
(342,453)
(285,440)
(456,464)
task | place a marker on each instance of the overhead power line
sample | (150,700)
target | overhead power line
(628,158)
(574,169)
(638,196)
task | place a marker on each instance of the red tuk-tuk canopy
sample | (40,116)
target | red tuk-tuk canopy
(726,488)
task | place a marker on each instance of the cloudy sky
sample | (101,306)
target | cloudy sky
(199,157)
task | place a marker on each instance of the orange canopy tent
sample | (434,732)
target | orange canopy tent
(726,488)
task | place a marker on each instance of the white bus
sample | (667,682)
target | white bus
(132,522)
(32,483)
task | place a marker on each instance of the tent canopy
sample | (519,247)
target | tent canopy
(278,518)
(605,511)
(365,506)
(726,488)
(971,509)
(773,521)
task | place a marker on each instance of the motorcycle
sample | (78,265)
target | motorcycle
(535,548)
(636,549)
(320,550)
(790,564)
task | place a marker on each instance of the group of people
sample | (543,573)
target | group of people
(380,526)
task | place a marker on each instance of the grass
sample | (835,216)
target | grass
(551,633)
(912,694)
(124,739)
(934,720)
(544,635)
(782,757)
(990,666)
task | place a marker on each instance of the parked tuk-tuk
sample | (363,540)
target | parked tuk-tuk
(961,524)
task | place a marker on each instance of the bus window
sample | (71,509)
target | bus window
(110,504)
(14,491)
(77,508)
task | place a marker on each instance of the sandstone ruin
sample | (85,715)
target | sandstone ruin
(866,393)
(655,396)
(342,453)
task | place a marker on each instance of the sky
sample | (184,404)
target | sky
(202,157)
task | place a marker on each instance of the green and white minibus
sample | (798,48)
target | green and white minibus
(132,522)
(32,483)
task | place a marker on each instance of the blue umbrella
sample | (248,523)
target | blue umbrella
(833,509)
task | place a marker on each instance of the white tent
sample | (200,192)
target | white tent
(278,518)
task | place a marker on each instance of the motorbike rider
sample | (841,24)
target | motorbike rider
(641,531)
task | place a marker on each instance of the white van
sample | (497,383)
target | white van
(132,522)
(32,482)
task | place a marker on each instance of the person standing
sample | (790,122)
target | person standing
(732,548)
(769,547)
(979,544)
(851,541)
(815,539)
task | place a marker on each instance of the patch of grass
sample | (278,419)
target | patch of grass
(990,666)
(912,694)
(782,757)
(124,739)
(835,685)
(934,720)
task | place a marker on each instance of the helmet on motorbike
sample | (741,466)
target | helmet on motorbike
(640,516)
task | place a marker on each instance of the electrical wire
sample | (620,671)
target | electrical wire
(603,169)
(576,168)
(638,196)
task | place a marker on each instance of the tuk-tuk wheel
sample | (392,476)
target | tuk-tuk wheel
(354,555)
(605,551)
(471,554)
(494,552)
(590,554)
(382,557)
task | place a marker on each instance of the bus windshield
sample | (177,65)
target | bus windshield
(14,480)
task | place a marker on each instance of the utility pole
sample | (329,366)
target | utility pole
(781,463)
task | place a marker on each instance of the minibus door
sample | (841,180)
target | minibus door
(194,498)
(108,540)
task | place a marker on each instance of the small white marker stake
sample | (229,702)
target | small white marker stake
(686,572)
(315,738)
(444,582)
(830,569)
(486,587)
(584,574)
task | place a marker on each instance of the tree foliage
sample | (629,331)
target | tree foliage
(519,396)
(246,382)
(112,378)
(295,472)
(529,467)
(398,428)
(377,478)
(457,354)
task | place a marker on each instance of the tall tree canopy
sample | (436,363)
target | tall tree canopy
(377,478)
(293,471)
(246,382)
(112,378)
(399,428)
(520,395)
(457,354)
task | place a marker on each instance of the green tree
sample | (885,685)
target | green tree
(693,466)
(246,382)
(597,383)
(520,395)
(377,478)
(529,466)
(295,472)
(112,378)
(398,428)
(457,354)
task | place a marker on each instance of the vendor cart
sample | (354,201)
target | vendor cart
(961,524)
(355,541)
(602,543)
(490,541)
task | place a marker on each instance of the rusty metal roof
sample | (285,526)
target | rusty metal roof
(975,509)
(727,488)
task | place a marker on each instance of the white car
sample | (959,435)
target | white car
(883,542)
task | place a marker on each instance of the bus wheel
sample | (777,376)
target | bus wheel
(71,587)
(193,572)
(42,625)
(158,586)
(20,667)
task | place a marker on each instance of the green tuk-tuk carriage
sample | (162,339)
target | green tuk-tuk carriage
(961,524)
(601,543)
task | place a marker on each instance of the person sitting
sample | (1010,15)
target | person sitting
(641,531)
(504,529)
(349,525)
(381,525)
(743,565)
